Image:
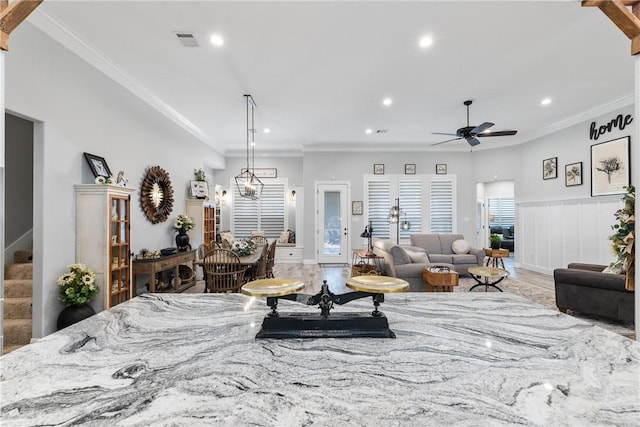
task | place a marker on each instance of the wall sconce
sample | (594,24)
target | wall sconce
(292,197)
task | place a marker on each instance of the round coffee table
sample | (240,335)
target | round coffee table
(484,275)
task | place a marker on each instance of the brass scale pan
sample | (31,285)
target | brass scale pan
(278,287)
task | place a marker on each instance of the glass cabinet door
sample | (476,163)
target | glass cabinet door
(120,269)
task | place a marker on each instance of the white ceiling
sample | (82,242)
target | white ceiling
(318,71)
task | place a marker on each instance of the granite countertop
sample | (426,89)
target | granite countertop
(459,358)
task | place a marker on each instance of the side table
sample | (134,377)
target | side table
(362,263)
(439,280)
(495,257)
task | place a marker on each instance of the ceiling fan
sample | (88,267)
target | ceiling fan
(471,133)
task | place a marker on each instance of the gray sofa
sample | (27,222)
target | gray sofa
(398,263)
(584,288)
(439,250)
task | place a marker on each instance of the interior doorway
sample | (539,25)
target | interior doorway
(495,208)
(332,238)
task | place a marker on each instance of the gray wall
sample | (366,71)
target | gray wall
(19,178)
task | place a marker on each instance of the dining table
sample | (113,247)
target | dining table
(247,261)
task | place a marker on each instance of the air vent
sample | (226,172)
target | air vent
(187,39)
(382,131)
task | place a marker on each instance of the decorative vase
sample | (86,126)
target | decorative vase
(73,314)
(182,241)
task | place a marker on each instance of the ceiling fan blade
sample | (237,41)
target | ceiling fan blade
(448,140)
(481,128)
(473,141)
(440,133)
(499,133)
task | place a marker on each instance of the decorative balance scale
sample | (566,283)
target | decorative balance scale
(324,324)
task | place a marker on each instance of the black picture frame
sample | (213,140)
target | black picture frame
(441,169)
(410,169)
(98,165)
(199,189)
(378,169)
(610,167)
(550,168)
(573,174)
(356,207)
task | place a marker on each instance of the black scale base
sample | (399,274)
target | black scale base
(314,325)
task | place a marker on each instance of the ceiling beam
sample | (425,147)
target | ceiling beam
(627,20)
(11,15)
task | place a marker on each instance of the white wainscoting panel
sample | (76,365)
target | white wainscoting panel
(552,234)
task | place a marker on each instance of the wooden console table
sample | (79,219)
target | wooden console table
(152,266)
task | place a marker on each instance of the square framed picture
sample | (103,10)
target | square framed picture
(441,169)
(550,168)
(199,189)
(610,167)
(573,174)
(410,169)
(98,165)
(356,207)
(378,169)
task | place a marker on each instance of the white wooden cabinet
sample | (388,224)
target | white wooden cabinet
(103,230)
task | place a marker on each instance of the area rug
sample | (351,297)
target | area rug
(546,297)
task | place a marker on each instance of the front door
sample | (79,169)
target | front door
(332,237)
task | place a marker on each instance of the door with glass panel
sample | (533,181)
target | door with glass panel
(333,227)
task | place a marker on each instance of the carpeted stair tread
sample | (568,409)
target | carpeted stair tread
(9,348)
(17,308)
(17,331)
(18,288)
(23,256)
(18,271)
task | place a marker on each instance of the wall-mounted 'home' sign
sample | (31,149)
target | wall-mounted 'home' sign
(619,122)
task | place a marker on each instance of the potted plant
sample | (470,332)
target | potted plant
(183,224)
(624,236)
(495,240)
(200,175)
(77,288)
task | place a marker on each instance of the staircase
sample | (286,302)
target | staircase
(18,290)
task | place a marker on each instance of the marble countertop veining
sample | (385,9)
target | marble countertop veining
(464,359)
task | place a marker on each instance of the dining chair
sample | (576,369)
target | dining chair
(259,240)
(223,271)
(260,270)
(271,258)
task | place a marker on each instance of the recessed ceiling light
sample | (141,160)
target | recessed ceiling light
(267,130)
(426,41)
(546,101)
(368,130)
(387,101)
(217,40)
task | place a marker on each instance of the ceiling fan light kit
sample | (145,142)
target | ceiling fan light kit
(472,133)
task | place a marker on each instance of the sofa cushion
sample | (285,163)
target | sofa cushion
(464,259)
(429,242)
(446,242)
(461,246)
(399,255)
(417,257)
(440,258)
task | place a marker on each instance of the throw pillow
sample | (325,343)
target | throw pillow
(257,233)
(284,237)
(417,257)
(227,236)
(399,255)
(460,247)
(292,236)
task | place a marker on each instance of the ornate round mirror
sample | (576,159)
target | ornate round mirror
(156,195)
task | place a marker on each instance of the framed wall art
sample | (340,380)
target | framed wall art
(610,167)
(378,169)
(98,165)
(573,174)
(263,172)
(356,207)
(409,169)
(199,189)
(441,169)
(550,168)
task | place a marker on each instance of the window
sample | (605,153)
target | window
(426,201)
(502,211)
(268,213)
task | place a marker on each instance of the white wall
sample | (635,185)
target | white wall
(77,109)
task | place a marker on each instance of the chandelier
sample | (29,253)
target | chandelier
(248,184)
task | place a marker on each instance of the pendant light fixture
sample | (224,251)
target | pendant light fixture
(248,184)
(394,218)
